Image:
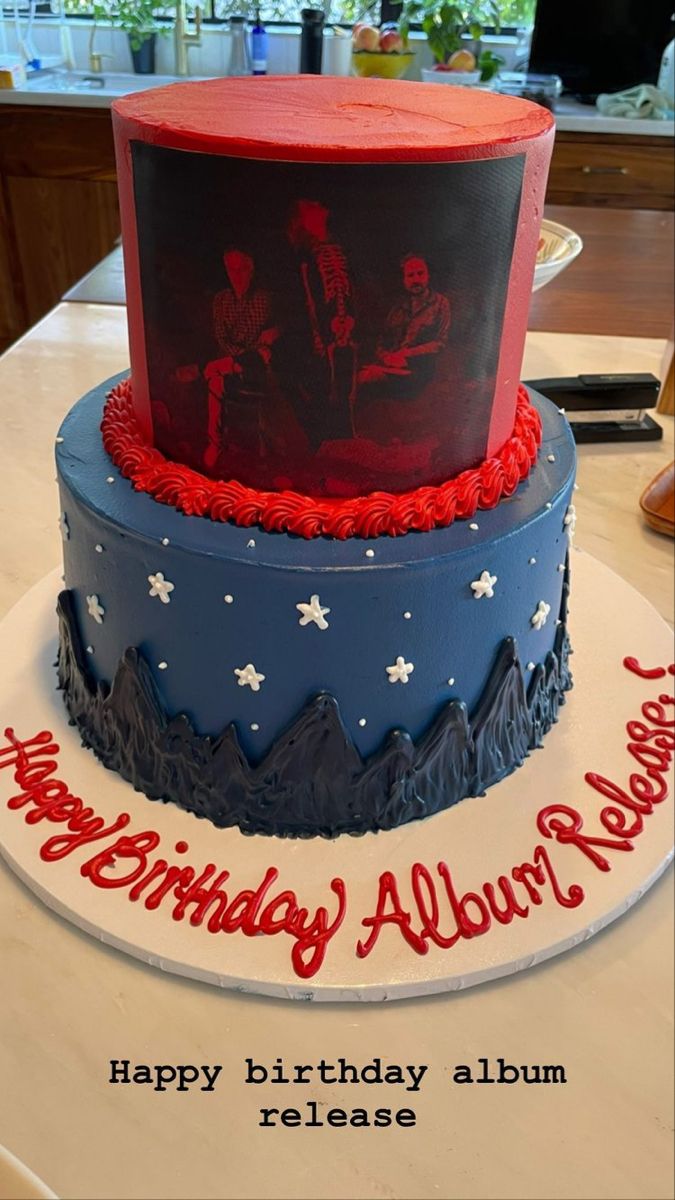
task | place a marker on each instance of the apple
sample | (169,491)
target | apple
(462,60)
(367,38)
(391,42)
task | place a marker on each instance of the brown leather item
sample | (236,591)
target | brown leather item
(658,501)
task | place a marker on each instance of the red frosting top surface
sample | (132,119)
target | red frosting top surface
(308,118)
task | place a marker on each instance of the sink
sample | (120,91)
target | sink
(109,83)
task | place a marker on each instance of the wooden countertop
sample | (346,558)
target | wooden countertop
(69,1004)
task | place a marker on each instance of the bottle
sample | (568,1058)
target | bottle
(259,45)
(240,58)
(311,41)
(666,80)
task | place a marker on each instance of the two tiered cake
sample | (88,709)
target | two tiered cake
(316,545)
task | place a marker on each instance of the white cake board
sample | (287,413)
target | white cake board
(480,839)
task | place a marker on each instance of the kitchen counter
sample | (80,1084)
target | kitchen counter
(69,1004)
(80,90)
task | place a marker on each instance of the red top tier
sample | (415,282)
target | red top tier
(328,279)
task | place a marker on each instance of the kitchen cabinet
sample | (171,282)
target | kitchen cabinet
(612,170)
(59,213)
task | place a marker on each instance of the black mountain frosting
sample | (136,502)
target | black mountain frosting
(313,781)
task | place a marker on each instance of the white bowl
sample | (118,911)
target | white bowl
(558,247)
(458,78)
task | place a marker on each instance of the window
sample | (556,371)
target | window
(514,14)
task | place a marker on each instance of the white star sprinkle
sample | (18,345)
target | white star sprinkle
(484,586)
(570,521)
(249,677)
(64,527)
(539,618)
(95,609)
(400,671)
(313,612)
(159,586)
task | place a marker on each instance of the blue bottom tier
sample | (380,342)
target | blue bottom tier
(310,687)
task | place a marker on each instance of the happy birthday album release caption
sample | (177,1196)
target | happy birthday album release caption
(278,1111)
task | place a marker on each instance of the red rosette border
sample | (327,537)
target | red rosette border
(371,516)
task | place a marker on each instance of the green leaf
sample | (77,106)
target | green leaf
(489,65)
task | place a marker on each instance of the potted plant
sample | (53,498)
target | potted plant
(138,19)
(453,32)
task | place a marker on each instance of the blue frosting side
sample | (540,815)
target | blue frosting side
(115,538)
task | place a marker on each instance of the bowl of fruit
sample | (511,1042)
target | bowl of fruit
(461,69)
(380,53)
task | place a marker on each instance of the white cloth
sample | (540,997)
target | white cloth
(643,101)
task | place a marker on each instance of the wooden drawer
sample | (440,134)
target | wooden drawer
(621,172)
(57,143)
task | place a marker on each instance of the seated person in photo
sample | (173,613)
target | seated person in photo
(416,330)
(239,379)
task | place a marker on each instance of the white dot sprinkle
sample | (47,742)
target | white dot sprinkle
(407,616)
(473,525)
(575,488)
(530,666)
(162,666)
(451,682)
(362,722)
(90,649)
(562,411)
(550,457)
(110,479)
(548,504)
(250,545)
(561,567)
(165,541)
(98,548)
(59,440)
(532,561)
(558,622)
(370,553)
(255,727)
(228,599)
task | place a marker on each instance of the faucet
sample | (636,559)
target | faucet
(95,59)
(182,39)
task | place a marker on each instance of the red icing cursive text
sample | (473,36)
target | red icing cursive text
(440,914)
(201,894)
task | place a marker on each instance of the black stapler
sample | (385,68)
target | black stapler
(606,408)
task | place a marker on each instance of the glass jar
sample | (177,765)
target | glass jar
(240,55)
